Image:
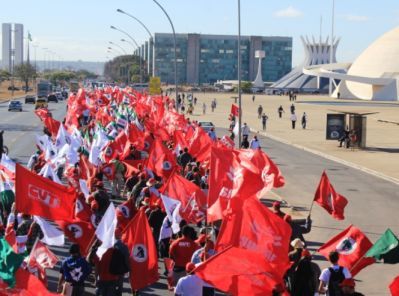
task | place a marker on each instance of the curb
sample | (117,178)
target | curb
(330,157)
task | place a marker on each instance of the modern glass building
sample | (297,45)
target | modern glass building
(207,58)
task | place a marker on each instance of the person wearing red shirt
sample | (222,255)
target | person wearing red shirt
(181,251)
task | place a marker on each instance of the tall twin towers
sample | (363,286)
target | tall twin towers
(13,45)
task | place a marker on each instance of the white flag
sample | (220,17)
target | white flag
(172,208)
(105,231)
(52,235)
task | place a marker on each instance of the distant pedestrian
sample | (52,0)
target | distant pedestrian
(280,111)
(212,134)
(253,98)
(260,110)
(304,120)
(292,108)
(195,100)
(203,108)
(264,121)
(245,131)
(213,105)
(254,144)
(293,119)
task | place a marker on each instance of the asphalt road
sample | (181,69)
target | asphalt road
(373,203)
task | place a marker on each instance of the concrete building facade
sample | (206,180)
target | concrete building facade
(203,59)
(12,45)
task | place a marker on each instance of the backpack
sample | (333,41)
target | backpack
(336,277)
(117,265)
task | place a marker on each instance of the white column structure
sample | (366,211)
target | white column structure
(258,82)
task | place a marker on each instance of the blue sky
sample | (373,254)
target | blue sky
(76,30)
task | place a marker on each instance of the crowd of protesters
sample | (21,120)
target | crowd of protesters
(122,175)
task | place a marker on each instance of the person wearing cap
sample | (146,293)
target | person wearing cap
(73,273)
(207,249)
(189,285)
(332,276)
(348,288)
(276,207)
(181,251)
(305,278)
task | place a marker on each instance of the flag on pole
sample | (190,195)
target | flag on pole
(41,258)
(386,248)
(143,252)
(105,231)
(330,200)
(352,246)
(234,110)
(51,235)
(9,262)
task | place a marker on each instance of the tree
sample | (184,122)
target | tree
(112,69)
(246,86)
(25,72)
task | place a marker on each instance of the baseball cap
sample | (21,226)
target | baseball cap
(276,204)
(190,267)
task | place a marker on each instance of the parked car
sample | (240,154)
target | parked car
(30,99)
(52,98)
(24,88)
(41,103)
(13,88)
(15,106)
(206,125)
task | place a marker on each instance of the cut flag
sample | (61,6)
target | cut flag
(352,246)
(143,252)
(42,197)
(249,275)
(386,248)
(327,198)
(258,229)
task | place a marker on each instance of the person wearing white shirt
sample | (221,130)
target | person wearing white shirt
(293,119)
(245,130)
(190,285)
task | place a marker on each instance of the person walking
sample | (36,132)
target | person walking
(254,144)
(304,120)
(203,108)
(264,121)
(293,119)
(260,110)
(333,276)
(292,108)
(73,273)
(280,111)
(245,131)
(253,98)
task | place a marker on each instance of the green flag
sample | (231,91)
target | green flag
(386,248)
(9,263)
(6,194)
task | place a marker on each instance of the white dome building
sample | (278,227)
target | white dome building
(373,76)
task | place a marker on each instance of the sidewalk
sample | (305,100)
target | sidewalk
(381,157)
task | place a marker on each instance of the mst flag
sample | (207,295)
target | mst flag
(249,275)
(331,201)
(161,160)
(35,195)
(143,252)
(386,248)
(352,245)
(256,228)
(9,263)
(79,232)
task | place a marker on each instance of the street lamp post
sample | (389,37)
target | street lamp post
(174,43)
(239,74)
(131,38)
(152,40)
(332,46)
(117,45)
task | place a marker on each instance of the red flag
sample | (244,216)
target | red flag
(352,245)
(327,198)
(42,113)
(161,160)
(394,287)
(40,196)
(143,252)
(52,125)
(42,258)
(80,232)
(125,213)
(229,183)
(227,142)
(235,110)
(136,137)
(131,166)
(115,148)
(256,228)
(82,209)
(26,285)
(239,272)
(191,197)
(200,145)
